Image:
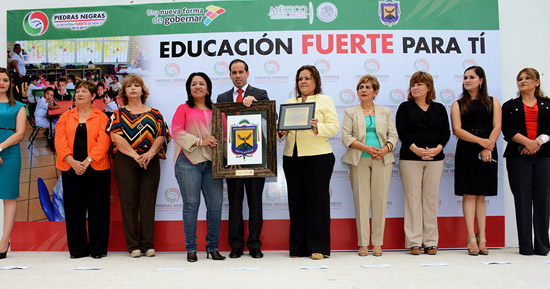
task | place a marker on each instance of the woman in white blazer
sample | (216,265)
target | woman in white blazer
(369,133)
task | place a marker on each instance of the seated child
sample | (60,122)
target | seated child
(30,96)
(41,112)
(100,91)
(62,93)
(71,80)
(110,102)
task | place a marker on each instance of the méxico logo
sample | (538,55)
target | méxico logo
(211,13)
(35,23)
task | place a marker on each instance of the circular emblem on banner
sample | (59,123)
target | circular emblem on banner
(35,23)
(421,65)
(467,63)
(372,66)
(172,70)
(322,65)
(449,161)
(397,96)
(327,12)
(172,195)
(347,96)
(447,96)
(221,68)
(271,67)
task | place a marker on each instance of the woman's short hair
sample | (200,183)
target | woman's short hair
(89,85)
(208,98)
(314,74)
(534,74)
(426,78)
(129,79)
(373,81)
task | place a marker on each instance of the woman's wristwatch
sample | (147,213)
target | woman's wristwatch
(89,159)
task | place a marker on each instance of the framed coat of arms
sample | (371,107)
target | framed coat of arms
(247,138)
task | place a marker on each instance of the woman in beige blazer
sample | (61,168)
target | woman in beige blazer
(369,133)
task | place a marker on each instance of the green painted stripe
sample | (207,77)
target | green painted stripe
(132,20)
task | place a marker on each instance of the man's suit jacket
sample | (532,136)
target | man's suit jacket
(259,94)
(354,128)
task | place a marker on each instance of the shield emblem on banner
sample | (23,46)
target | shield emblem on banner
(244,140)
(389,12)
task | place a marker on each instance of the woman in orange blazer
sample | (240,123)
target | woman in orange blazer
(369,133)
(82,155)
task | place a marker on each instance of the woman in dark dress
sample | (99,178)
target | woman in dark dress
(476,120)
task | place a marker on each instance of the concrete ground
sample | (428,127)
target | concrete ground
(277,270)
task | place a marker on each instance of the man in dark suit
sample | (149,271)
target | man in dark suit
(242,92)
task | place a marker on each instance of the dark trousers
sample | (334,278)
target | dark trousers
(90,193)
(235,193)
(308,183)
(137,189)
(18,88)
(529,178)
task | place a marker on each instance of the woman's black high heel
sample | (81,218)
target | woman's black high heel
(215,255)
(5,254)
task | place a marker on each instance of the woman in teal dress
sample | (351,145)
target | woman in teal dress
(12,130)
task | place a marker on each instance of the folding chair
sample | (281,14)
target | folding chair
(35,128)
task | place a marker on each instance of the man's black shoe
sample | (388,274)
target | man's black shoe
(256,253)
(236,253)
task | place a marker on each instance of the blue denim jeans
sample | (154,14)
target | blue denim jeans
(192,179)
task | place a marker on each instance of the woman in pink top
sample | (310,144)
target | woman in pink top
(192,132)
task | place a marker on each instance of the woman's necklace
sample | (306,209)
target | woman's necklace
(368,111)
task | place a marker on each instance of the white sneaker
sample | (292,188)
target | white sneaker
(135,254)
(150,253)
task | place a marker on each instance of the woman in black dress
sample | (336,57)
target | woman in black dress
(476,120)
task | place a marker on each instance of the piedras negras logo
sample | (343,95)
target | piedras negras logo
(35,23)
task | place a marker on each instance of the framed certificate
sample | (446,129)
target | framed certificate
(247,140)
(296,116)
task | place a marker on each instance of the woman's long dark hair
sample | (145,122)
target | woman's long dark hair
(466,100)
(208,98)
(9,93)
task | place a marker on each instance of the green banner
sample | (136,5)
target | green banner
(232,16)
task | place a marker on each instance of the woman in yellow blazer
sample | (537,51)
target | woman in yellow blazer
(369,133)
(308,162)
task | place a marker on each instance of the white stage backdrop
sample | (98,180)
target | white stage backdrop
(392,64)
(343,39)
